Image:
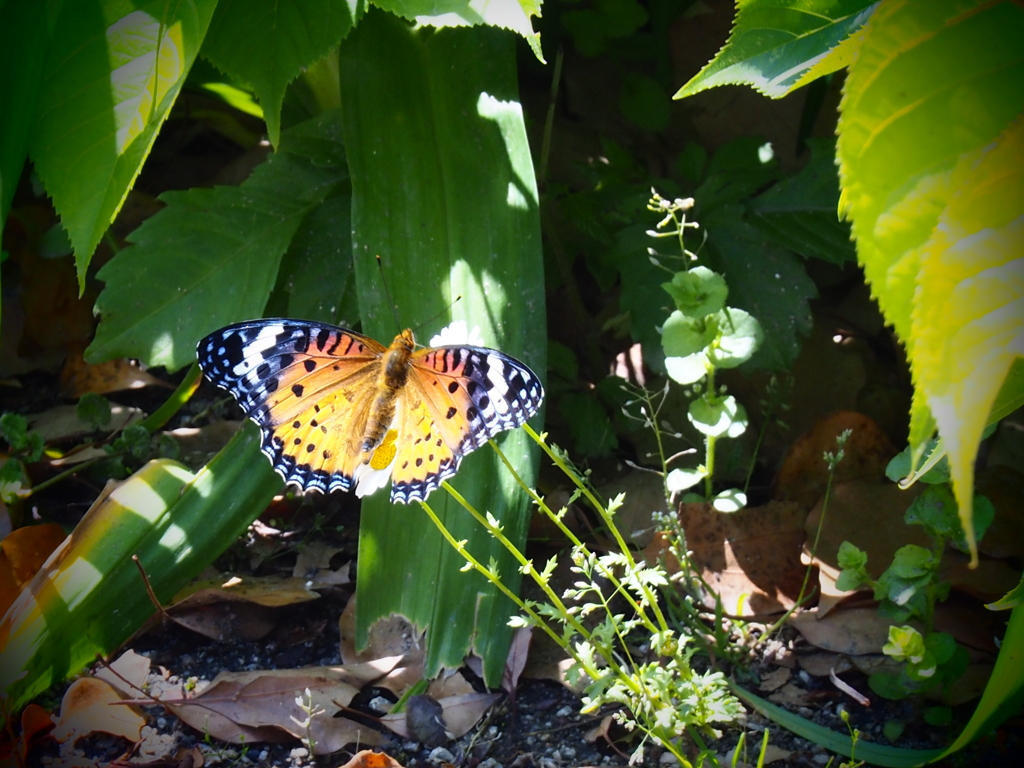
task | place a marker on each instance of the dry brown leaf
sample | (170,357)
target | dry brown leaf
(753,754)
(262,706)
(790,695)
(127,674)
(804,474)
(269,591)
(821,664)
(775,679)
(854,632)
(390,637)
(515,662)
(367,759)
(78,377)
(451,684)
(90,705)
(750,558)
(62,423)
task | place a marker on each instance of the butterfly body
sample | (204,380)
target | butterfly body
(338,410)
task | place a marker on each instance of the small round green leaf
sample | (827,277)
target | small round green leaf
(682,335)
(723,417)
(698,292)
(689,369)
(739,337)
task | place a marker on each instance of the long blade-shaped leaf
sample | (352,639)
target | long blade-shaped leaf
(443,190)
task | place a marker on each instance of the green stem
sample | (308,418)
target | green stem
(173,404)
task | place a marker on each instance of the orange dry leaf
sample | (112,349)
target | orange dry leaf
(367,759)
(27,549)
(91,705)
(77,377)
(804,473)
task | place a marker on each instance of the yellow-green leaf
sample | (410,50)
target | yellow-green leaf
(968,317)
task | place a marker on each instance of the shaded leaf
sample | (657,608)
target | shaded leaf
(86,708)
(268,43)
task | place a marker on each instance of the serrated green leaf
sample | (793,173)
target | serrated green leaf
(507,14)
(775,42)
(801,212)
(113,74)
(767,281)
(268,43)
(849,556)
(209,258)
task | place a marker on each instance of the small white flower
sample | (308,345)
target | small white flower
(456,333)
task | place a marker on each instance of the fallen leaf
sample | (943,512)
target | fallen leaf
(791,695)
(822,663)
(127,674)
(515,662)
(753,755)
(90,705)
(389,637)
(62,423)
(28,547)
(78,377)
(775,679)
(367,759)
(750,558)
(855,632)
(242,707)
(452,683)
(804,474)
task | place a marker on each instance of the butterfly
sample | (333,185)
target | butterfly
(338,410)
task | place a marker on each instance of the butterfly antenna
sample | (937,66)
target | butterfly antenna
(384,282)
(446,311)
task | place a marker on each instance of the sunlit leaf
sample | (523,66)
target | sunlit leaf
(114,72)
(774,43)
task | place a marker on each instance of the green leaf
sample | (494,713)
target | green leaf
(801,212)
(592,28)
(849,556)
(443,190)
(888,686)
(774,43)
(644,102)
(94,410)
(697,292)
(938,716)
(1011,599)
(176,522)
(767,281)
(25,33)
(592,432)
(936,510)
(682,479)
(941,645)
(840,743)
(14,427)
(113,74)
(931,149)
(211,256)
(900,465)
(912,561)
(739,336)
(507,14)
(683,335)
(268,43)
(722,417)
(688,369)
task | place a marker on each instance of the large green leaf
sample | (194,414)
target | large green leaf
(444,192)
(775,42)
(25,30)
(268,43)
(507,14)
(114,70)
(930,161)
(211,256)
(800,212)
(89,597)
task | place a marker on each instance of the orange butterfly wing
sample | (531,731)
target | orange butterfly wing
(455,399)
(309,387)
